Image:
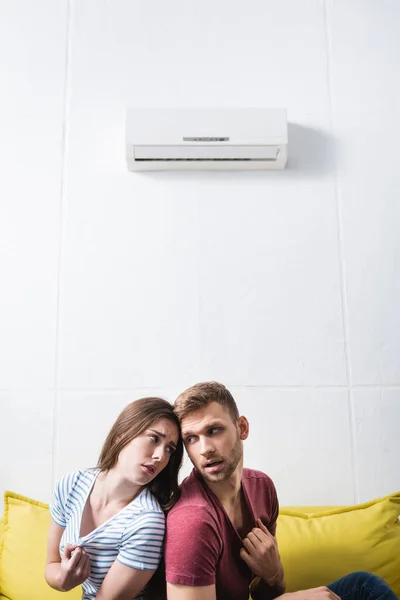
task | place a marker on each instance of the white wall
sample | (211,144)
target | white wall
(285,286)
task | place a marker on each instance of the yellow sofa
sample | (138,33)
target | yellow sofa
(317,545)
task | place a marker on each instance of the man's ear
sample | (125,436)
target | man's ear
(243,426)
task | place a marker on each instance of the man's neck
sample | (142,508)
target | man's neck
(228,491)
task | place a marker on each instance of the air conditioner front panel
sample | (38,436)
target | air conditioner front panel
(168,125)
(183,139)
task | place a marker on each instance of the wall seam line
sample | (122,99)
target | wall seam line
(342,266)
(61,236)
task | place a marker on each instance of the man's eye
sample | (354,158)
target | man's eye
(214,430)
(189,439)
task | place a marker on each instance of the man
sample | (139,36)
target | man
(221,534)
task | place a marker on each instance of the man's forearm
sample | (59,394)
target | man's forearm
(263,590)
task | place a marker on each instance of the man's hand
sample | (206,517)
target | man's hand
(260,553)
(319,593)
(74,568)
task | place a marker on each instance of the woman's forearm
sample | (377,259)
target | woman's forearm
(52,575)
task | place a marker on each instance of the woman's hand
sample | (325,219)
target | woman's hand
(71,569)
(74,567)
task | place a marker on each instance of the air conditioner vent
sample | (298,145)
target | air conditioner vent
(205,159)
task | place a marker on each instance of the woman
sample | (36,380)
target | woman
(108,523)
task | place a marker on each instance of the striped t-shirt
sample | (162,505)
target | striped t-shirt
(134,536)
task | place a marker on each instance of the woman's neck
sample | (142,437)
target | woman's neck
(111,488)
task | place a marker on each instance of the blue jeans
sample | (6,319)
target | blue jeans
(362,586)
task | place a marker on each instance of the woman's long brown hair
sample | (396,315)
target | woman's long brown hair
(134,420)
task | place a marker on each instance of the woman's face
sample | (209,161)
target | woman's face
(148,454)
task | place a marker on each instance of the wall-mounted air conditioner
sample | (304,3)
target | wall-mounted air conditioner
(208,139)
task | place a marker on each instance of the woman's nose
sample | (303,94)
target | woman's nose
(159,453)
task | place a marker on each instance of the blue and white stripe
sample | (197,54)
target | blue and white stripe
(134,536)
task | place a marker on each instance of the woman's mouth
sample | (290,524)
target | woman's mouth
(149,469)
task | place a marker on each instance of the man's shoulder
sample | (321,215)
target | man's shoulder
(192,493)
(257,479)
(193,499)
(254,474)
(193,527)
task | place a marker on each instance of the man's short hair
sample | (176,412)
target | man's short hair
(201,395)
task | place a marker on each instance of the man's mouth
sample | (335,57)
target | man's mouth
(213,465)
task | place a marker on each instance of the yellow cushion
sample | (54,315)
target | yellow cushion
(318,547)
(23,551)
(309,509)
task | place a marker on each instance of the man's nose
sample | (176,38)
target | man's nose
(206,447)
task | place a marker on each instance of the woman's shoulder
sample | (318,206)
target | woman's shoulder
(77,481)
(68,492)
(146,502)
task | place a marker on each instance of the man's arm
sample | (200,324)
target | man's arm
(186,592)
(260,553)
(192,549)
(263,590)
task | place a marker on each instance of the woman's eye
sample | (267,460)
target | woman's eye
(154,438)
(170,449)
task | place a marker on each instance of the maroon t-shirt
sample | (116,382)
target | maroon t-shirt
(202,547)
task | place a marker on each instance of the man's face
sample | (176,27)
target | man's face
(213,441)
